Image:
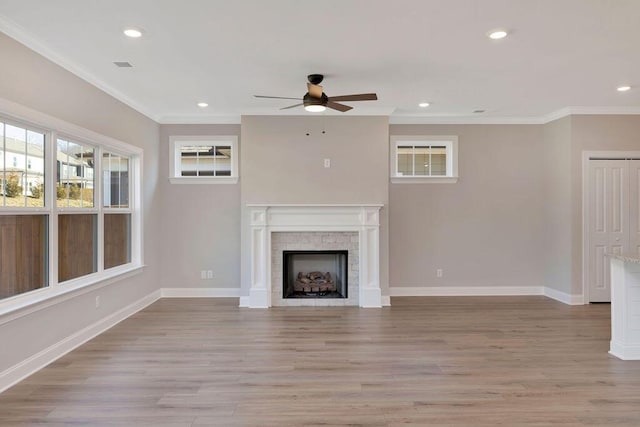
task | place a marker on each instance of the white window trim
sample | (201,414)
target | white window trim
(174,160)
(452,158)
(17,114)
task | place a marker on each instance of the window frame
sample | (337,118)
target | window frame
(449,141)
(176,141)
(53,128)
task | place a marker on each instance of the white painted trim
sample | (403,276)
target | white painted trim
(200,120)
(386,301)
(596,111)
(424,180)
(244,301)
(200,292)
(563,297)
(24,304)
(464,120)
(431,291)
(624,352)
(193,180)
(266,219)
(18,372)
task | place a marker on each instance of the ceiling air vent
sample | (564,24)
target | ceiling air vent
(478,111)
(123,64)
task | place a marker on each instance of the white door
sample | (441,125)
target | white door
(609,214)
(634,202)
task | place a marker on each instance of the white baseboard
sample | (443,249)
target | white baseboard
(624,352)
(465,291)
(200,292)
(386,301)
(563,297)
(41,359)
(244,301)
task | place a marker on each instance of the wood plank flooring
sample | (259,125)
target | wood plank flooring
(455,361)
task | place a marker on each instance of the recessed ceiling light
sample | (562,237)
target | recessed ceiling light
(423,104)
(623,88)
(203,104)
(134,33)
(497,34)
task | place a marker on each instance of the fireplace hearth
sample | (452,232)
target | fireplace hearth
(315,274)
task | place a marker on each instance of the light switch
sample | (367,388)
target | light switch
(327,163)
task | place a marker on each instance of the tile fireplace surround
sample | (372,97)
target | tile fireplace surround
(315,227)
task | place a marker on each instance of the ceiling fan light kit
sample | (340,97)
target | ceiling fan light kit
(316,101)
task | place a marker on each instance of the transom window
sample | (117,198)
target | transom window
(204,159)
(416,159)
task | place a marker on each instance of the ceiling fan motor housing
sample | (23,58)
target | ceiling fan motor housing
(310,100)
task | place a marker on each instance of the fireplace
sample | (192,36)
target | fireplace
(315,274)
(273,229)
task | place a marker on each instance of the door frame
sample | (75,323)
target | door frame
(586,156)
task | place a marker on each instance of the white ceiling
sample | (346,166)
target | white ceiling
(559,54)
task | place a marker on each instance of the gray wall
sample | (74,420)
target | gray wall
(558,216)
(485,230)
(200,223)
(29,79)
(281,164)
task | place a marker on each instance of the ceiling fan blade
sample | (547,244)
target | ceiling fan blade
(358,97)
(291,106)
(314,90)
(275,97)
(339,107)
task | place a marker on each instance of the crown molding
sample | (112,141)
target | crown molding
(452,120)
(19,34)
(593,111)
(232,119)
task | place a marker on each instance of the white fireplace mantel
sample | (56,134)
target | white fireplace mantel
(268,218)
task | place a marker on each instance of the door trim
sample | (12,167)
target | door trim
(586,156)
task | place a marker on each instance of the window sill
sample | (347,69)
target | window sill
(204,180)
(24,304)
(424,179)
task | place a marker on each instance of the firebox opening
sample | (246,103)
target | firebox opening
(315,274)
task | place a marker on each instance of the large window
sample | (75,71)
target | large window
(60,226)
(424,159)
(204,159)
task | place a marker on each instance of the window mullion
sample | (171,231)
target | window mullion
(50,196)
(98,203)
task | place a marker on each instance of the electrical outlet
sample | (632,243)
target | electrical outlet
(203,274)
(439,272)
(327,163)
(209,274)
(97,301)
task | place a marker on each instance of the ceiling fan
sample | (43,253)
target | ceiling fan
(315,100)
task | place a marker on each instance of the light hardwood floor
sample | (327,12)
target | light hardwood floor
(424,361)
